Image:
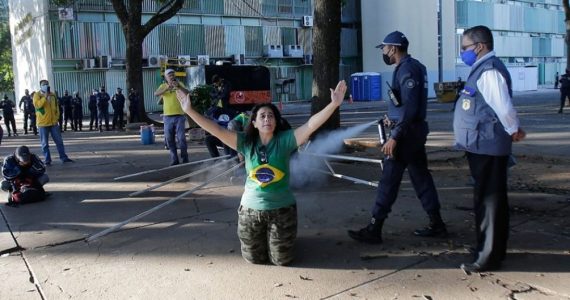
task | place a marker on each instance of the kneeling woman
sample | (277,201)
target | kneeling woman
(267,222)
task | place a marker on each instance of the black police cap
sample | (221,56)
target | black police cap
(395,38)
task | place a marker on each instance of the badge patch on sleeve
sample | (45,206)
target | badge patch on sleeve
(410,83)
(466,105)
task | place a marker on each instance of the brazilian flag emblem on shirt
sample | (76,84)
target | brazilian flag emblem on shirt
(265,175)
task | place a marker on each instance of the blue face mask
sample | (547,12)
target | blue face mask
(469,57)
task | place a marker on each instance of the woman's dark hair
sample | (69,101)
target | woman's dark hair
(480,34)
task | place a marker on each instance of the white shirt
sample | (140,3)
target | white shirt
(495,91)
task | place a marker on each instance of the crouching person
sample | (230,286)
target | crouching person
(24,177)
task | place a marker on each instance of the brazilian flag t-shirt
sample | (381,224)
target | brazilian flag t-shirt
(267,167)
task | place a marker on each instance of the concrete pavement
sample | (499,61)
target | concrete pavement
(190,249)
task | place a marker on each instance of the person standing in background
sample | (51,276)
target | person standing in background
(77,112)
(67,110)
(564,89)
(47,113)
(7,107)
(103,107)
(92,105)
(29,112)
(118,103)
(174,117)
(133,106)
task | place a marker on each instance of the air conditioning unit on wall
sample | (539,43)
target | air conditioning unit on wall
(238,59)
(65,14)
(293,51)
(184,60)
(104,61)
(307,21)
(155,61)
(203,60)
(88,63)
(273,50)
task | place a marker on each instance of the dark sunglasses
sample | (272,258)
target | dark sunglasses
(262,155)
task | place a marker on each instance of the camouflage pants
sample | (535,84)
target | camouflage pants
(267,234)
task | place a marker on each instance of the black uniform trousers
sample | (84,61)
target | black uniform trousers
(68,117)
(32,118)
(411,155)
(118,118)
(491,207)
(212,144)
(9,120)
(93,118)
(104,116)
(564,92)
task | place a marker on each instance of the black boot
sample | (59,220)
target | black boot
(436,227)
(371,234)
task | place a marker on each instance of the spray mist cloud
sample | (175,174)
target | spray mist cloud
(303,168)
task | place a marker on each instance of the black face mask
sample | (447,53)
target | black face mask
(387,59)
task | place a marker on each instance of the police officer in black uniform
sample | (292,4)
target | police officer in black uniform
(406,146)
(29,112)
(118,103)
(103,106)
(67,110)
(92,105)
(77,112)
(564,89)
(133,106)
(7,107)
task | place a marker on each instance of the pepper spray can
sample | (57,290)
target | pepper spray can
(381,132)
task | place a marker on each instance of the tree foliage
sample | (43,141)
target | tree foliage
(6,72)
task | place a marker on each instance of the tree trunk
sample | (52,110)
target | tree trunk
(567,37)
(326,57)
(134,72)
(134,36)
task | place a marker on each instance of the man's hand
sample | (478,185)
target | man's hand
(185,101)
(519,135)
(389,148)
(173,84)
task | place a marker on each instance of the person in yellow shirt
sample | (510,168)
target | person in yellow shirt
(173,116)
(47,116)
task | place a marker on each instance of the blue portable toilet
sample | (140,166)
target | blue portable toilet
(356,86)
(371,86)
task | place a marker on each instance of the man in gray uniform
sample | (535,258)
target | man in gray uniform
(485,124)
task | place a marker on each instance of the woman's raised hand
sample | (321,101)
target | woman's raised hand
(184,99)
(337,95)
